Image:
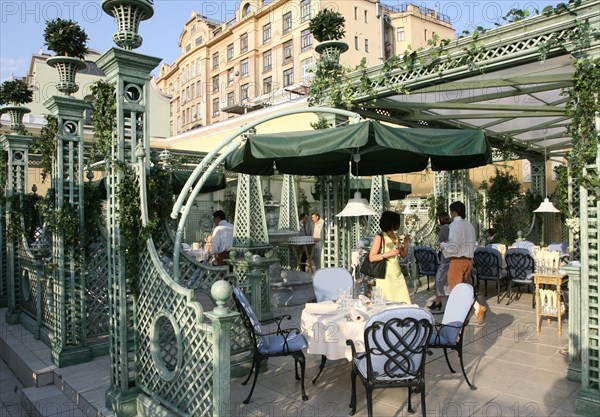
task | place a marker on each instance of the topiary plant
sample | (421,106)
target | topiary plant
(328,25)
(15,92)
(66,38)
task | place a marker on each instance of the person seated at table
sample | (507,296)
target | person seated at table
(221,241)
(387,247)
(489,236)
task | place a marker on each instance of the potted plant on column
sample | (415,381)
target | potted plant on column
(69,41)
(328,27)
(15,93)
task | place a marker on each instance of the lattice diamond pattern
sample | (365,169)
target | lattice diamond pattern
(460,57)
(96,291)
(191,391)
(288,211)
(250,226)
(380,201)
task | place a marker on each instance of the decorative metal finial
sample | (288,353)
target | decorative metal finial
(90,175)
(34,188)
(165,156)
(128,14)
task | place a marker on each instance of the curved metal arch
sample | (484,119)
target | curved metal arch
(230,145)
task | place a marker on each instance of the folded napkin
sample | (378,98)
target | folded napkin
(323,307)
(365,300)
(358,315)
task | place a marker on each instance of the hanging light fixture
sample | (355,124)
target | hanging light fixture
(357,206)
(546,206)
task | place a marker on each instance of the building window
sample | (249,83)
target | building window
(305,10)
(199,41)
(193,91)
(199,89)
(356,13)
(229,52)
(215,106)
(215,84)
(244,68)
(356,43)
(188,47)
(267,33)
(287,22)
(230,76)
(307,74)
(230,99)
(306,39)
(400,34)
(288,50)
(267,85)
(366,45)
(425,34)
(198,109)
(215,60)
(267,61)
(194,114)
(198,66)
(288,77)
(244,43)
(193,29)
(366,16)
(244,92)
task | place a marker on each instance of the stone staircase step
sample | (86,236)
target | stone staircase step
(16,349)
(48,401)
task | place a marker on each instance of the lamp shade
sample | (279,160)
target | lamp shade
(546,206)
(357,206)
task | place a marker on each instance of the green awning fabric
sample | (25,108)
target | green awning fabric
(215,182)
(383,150)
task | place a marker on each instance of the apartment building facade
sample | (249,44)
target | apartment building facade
(263,55)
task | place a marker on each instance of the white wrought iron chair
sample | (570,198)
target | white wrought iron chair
(327,281)
(449,333)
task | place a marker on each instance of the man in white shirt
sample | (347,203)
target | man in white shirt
(222,238)
(460,249)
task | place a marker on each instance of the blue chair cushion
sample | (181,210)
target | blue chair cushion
(263,341)
(276,344)
(446,335)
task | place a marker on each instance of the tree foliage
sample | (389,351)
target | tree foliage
(66,38)
(504,200)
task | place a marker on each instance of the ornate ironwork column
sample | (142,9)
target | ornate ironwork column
(130,72)
(69,344)
(538,176)
(17,147)
(250,237)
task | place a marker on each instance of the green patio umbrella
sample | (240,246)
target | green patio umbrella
(383,150)
(215,182)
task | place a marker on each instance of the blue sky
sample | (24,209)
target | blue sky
(24,20)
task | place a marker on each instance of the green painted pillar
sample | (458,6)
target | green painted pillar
(222,320)
(17,147)
(69,344)
(337,240)
(574,367)
(130,72)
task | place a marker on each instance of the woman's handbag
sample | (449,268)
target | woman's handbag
(374,269)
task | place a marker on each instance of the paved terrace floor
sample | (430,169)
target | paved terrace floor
(518,373)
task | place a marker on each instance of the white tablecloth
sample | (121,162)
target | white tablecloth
(326,329)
